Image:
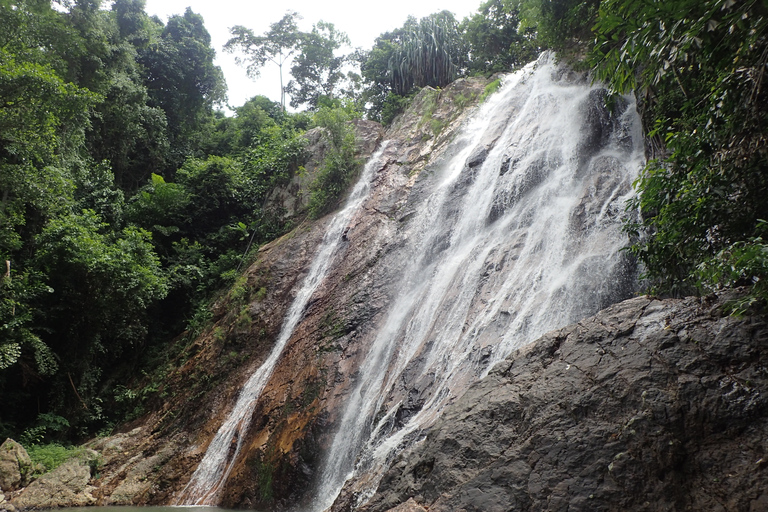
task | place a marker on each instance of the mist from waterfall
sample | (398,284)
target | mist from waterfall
(219,459)
(517,231)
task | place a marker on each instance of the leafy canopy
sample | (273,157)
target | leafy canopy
(698,67)
(277,45)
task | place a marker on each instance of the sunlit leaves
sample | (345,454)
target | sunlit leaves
(339,164)
(17,291)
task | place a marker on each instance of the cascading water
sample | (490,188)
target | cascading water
(213,470)
(518,232)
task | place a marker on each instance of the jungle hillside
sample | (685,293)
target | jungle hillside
(132,195)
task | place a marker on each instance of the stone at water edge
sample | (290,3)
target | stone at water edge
(15,466)
(5,505)
(65,486)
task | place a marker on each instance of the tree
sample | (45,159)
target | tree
(277,45)
(698,70)
(558,24)
(317,71)
(183,81)
(114,277)
(432,53)
(253,117)
(374,68)
(133,23)
(426,52)
(495,40)
(42,125)
(129,133)
(42,119)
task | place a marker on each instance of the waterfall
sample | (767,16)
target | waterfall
(213,470)
(515,231)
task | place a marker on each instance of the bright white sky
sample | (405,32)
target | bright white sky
(362,22)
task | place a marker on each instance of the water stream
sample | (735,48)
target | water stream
(517,232)
(220,457)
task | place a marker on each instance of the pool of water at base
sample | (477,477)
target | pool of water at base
(180,508)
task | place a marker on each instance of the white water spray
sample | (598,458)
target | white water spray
(519,234)
(213,471)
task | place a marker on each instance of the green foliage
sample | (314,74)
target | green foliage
(125,202)
(558,24)
(431,53)
(340,163)
(18,292)
(38,109)
(50,456)
(394,105)
(182,80)
(491,88)
(426,52)
(429,104)
(317,71)
(277,45)
(217,209)
(47,457)
(115,278)
(45,425)
(264,473)
(699,73)
(494,39)
(741,263)
(41,119)
(378,93)
(201,317)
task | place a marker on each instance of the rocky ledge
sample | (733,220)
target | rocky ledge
(650,405)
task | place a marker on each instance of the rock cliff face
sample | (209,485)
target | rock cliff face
(295,418)
(628,403)
(293,422)
(649,405)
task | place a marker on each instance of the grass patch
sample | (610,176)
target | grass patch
(490,89)
(47,457)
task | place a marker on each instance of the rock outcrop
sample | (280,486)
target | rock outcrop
(66,486)
(291,200)
(650,405)
(15,466)
(649,401)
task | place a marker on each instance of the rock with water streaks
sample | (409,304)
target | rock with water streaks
(649,405)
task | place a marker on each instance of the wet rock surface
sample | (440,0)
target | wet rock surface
(647,399)
(297,412)
(149,461)
(649,405)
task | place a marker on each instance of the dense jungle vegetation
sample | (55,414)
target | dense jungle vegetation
(128,198)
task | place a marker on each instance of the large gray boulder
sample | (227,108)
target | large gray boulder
(649,405)
(65,486)
(15,466)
